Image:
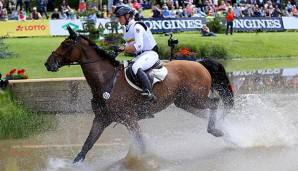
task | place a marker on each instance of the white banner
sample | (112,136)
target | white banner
(290,22)
(59,27)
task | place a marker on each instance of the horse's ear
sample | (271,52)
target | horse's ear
(72,34)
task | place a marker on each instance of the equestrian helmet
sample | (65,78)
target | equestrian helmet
(123,10)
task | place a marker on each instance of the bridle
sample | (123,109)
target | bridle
(69,49)
(108,89)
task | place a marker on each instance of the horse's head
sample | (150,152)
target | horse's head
(69,52)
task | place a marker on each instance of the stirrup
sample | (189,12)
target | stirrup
(150,96)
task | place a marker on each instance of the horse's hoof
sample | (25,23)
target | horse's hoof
(215,132)
(80,157)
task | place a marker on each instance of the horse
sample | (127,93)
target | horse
(187,85)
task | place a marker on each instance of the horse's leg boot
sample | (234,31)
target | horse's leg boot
(147,87)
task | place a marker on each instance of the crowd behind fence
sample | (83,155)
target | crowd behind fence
(23,9)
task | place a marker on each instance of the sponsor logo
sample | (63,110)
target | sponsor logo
(72,25)
(21,28)
(257,72)
(175,24)
(258,23)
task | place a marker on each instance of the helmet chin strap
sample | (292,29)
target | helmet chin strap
(127,19)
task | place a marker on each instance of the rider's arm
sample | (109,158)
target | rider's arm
(138,45)
(130,49)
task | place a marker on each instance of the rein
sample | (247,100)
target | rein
(84,63)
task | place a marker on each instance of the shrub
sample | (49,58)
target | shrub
(218,52)
(216,25)
(213,51)
(203,51)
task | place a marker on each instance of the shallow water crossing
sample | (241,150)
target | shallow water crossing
(261,133)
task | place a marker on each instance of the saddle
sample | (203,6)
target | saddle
(156,74)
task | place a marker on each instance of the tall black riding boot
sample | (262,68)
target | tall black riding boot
(147,87)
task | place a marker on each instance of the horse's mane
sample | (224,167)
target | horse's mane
(100,51)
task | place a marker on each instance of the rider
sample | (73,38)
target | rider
(141,43)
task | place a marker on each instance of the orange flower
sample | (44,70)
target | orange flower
(185,51)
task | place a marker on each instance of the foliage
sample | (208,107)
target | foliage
(113,39)
(4,53)
(90,29)
(17,122)
(213,51)
(15,74)
(88,17)
(216,25)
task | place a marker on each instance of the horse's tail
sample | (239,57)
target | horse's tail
(220,81)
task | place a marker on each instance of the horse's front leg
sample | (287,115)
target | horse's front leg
(98,126)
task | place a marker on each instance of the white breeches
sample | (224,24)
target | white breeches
(144,61)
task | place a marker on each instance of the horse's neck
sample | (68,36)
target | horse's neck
(98,76)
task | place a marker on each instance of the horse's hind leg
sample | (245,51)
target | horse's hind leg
(196,106)
(213,105)
(131,123)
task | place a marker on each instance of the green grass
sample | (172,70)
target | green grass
(252,48)
(17,122)
(245,45)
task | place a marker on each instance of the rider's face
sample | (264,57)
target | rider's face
(122,20)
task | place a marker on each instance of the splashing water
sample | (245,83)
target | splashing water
(177,140)
(256,122)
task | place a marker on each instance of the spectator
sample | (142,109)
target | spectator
(136,5)
(156,12)
(110,8)
(206,32)
(27,6)
(289,7)
(72,14)
(237,10)
(3,15)
(197,12)
(179,12)
(35,15)
(104,11)
(82,6)
(19,3)
(1,5)
(222,7)
(65,10)
(166,12)
(92,17)
(257,11)
(42,5)
(188,10)
(201,13)
(230,18)
(14,14)
(55,15)
(22,15)
(276,12)
(294,11)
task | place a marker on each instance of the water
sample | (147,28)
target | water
(260,135)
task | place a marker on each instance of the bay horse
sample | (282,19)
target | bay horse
(187,85)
